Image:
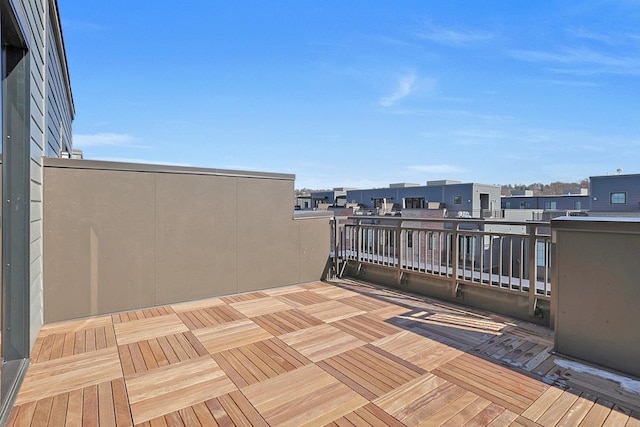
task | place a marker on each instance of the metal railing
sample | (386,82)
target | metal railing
(504,255)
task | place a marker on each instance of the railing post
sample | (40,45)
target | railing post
(454,259)
(399,246)
(336,247)
(533,269)
(358,243)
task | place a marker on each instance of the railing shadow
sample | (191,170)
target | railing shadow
(513,344)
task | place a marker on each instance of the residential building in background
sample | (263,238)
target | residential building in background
(615,195)
(459,199)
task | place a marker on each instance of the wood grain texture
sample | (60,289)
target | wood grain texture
(312,354)
(230,335)
(331,311)
(147,328)
(309,396)
(320,342)
(170,388)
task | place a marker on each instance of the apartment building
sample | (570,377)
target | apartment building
(615,195)
(459,199)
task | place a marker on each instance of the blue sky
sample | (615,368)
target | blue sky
(360,93)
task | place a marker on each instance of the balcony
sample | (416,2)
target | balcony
(340,353)
(178,296)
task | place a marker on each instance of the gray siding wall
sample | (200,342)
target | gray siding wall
(46,85)
(59,105)
(601,188)
(538,202)
(432,193)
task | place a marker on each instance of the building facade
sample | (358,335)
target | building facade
(615,194)
(459,199)
(37,111)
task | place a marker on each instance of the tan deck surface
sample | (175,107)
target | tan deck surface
(315,354)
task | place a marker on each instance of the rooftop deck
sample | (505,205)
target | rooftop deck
(344,353)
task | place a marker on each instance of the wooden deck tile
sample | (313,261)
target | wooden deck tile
(320,342)
(146,355)
(46,379)
(196,304)
(463,338)
(307,396)
(368,415)
(283,290)
(487,416)
(230,335)
(74,325)
(333,292)
(76,341)
(421,351)
(509,389)
(302,298)
(402,397)
(560,407)
(259,361)
(148,328)
(283,322)
(250,296)
(260,307)
(209,316)
(370,371)
(331,311)
(365,303)
(105,403)
(469,412)
(146,313)
(391,311)
(170,388)
(227,409)
(367,327)
(311,354)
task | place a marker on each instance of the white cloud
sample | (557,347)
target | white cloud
(582,61)
(104,139)
(405,86)
(441,168)
(454,37)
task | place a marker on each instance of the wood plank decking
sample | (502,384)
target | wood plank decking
(339,354)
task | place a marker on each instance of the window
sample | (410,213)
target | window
(577,205)
(618,198)
(507,205)
(457,200)
(379,202)
(414,203)
(524,205)
(541,254)
(549,205)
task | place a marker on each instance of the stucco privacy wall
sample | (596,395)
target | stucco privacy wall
(596,287)
(121,236)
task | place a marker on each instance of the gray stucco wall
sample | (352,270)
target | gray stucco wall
(120,236)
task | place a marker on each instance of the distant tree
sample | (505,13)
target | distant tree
(540,189)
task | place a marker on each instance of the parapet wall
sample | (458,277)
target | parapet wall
(596,285)
(123,236)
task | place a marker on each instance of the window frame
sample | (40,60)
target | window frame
(614,195)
